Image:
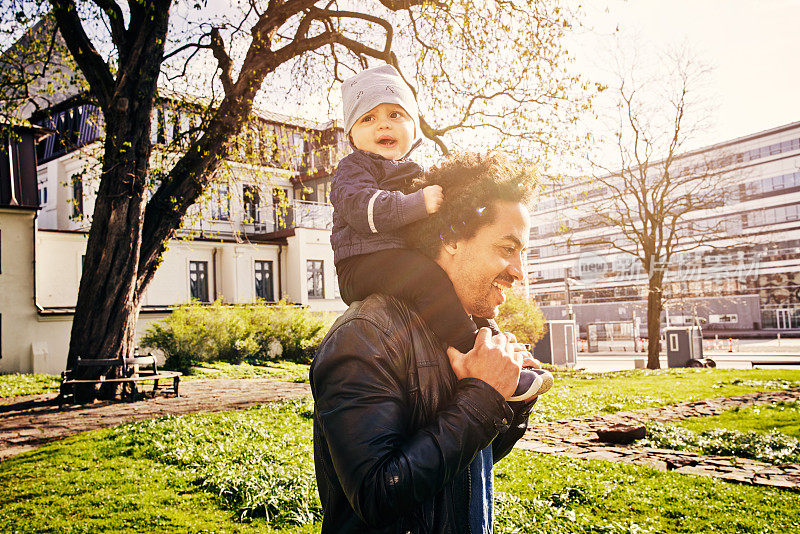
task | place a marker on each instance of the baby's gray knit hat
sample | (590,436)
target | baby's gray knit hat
(371,87)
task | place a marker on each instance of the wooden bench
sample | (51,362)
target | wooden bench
(133,370)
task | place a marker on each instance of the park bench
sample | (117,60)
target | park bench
(139,368)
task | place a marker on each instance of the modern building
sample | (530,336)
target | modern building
(743,280)
(261,232)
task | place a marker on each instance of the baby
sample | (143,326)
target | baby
(382,122)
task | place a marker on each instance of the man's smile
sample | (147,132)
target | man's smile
(502,285)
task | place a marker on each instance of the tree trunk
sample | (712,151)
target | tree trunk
(108,305)
(654,308)
(108,302)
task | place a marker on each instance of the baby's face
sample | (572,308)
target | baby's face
(386,130)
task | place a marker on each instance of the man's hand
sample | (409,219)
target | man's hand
(494,360)
(433,198)
(527,358)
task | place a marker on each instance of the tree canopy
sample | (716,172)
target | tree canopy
(487,75)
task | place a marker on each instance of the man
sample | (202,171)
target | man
(405,429)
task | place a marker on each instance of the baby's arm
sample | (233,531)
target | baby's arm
(355,195)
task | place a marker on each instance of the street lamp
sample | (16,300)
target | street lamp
(568,282)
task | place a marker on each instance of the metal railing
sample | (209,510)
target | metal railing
(294,214)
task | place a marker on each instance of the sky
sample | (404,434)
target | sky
(753,45)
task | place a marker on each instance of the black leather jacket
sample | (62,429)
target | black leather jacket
(394,430)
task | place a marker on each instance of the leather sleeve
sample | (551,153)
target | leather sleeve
(504,442)
(385,467)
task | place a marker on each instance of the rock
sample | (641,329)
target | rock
(679,462)
(621,433)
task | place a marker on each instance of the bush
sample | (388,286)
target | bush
(196,333)
(298,331)
(522,317)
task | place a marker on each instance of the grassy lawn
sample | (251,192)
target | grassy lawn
(277,369)
(551,494)
(13,385)
(580,394)
(204,473)
(783,417)
(768,433)
(252,471)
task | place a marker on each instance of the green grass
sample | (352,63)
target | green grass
(276,369)
(193,474)
(783,417)
(15,385)
(175,474)
(581,394)
(766,432)
(541,494)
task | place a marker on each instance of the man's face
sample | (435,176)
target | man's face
(484,266)
(386,130)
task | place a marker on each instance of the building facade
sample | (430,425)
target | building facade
(262,231)
(743,280)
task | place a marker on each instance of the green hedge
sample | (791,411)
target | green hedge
(196,333)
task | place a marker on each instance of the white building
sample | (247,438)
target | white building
(262,232)
(745,281)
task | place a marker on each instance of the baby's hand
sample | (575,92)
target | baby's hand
(433,198)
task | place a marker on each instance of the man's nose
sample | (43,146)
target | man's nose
(515,268)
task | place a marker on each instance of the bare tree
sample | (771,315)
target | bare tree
(660,200)
(495,70)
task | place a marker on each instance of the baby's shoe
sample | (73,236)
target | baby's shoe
(532,383)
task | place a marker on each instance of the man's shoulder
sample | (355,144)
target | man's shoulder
(371,326)
(381,311)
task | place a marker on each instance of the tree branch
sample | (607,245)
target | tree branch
(115,20)
(223,59)
(92,65)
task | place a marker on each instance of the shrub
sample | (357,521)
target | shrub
(522,317)
(298,331)
(196,333)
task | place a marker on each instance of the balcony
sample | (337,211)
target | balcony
(292,214)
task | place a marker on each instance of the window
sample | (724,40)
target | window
(673,342)
(723,318)
(251,201)
(198,280)
(43,195)
(298,150)
(680,320)
(220,208)
(77,196)
(263,275)
(270,145)
(314,271)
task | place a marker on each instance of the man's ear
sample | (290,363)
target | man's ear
(450,247)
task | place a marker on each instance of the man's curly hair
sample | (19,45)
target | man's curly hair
(471,184)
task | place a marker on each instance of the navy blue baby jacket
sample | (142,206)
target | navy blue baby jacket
(368,207)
